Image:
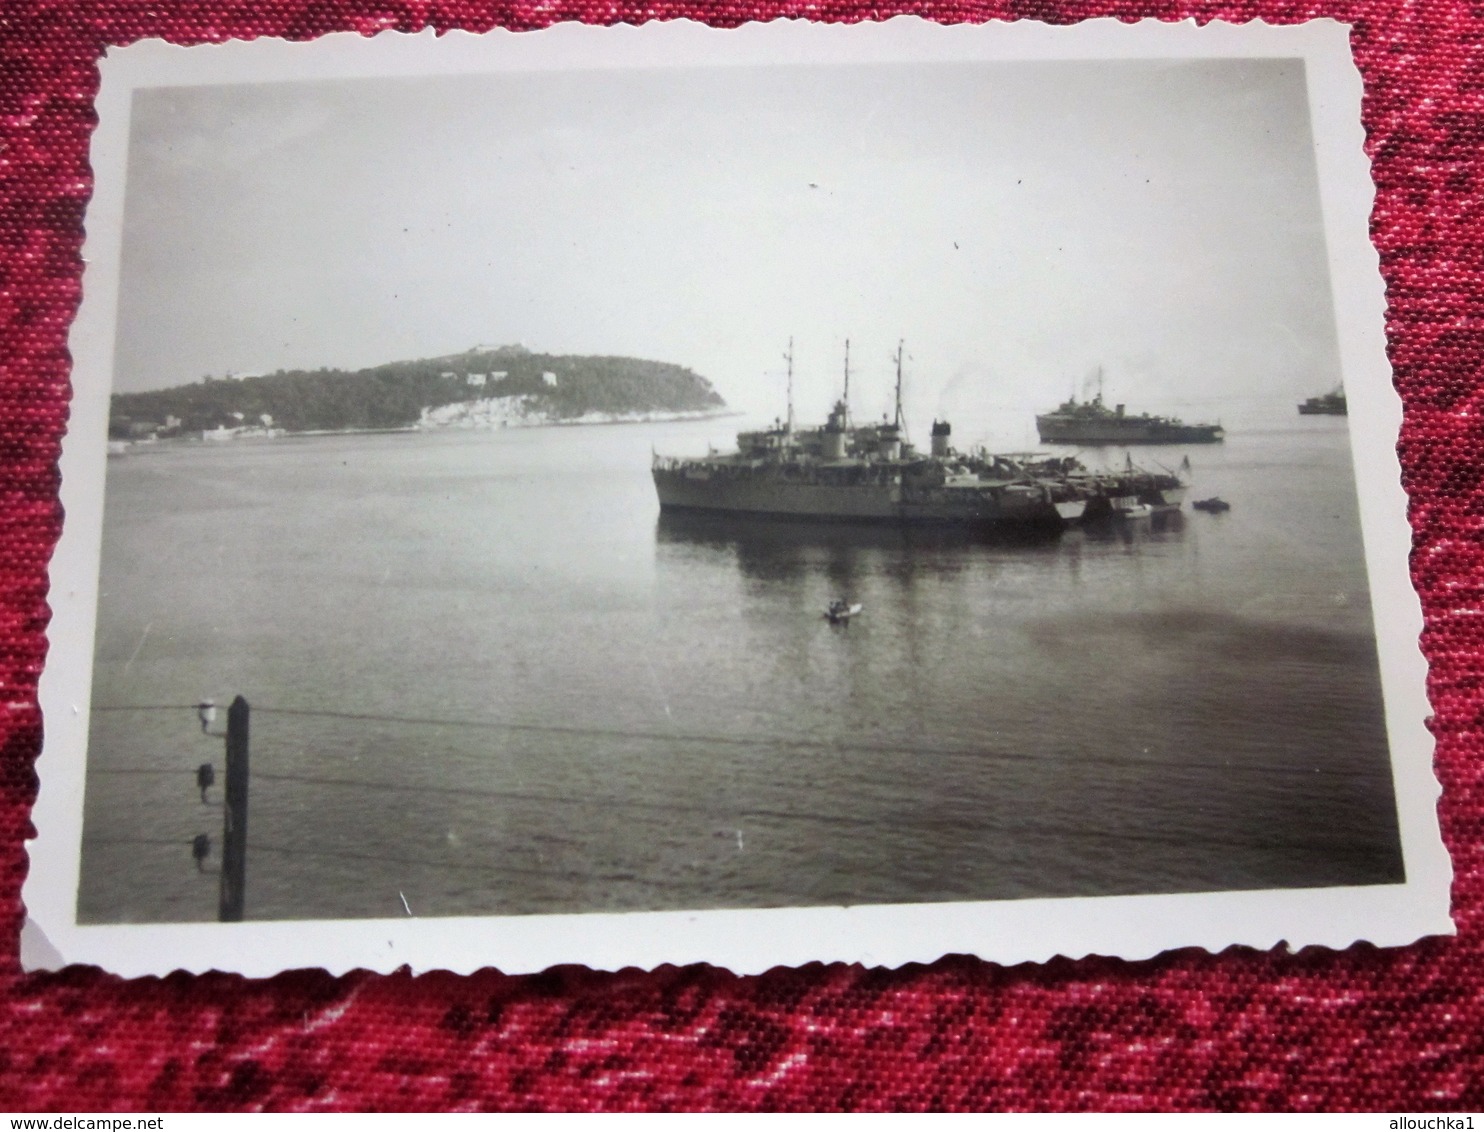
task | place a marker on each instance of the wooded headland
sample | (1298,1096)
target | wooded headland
(551,387)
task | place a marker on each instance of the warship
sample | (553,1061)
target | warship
(1093,422)
(1327,405)
(840,471)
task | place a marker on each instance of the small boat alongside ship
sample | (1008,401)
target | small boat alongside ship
(1212,506)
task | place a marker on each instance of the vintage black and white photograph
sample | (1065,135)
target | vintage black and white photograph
(788,484)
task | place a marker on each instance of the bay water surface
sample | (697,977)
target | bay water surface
(487,677)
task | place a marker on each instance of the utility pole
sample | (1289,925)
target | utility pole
(234,832)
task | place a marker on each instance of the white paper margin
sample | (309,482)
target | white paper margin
(747,941)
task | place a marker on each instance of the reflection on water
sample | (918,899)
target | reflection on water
(760,531)
(551,698)
(1158,526)
(766,548)
(844,552)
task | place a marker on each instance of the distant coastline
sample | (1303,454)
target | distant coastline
(259,435)
(486,387)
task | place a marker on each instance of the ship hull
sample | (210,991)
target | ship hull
(1125,431)
(979,508)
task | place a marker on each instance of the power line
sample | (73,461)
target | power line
(145,707)
(952,814)
(173,843)
(484,867)
(526,796)
(743,815)
(1020,829)
(778,743)
(740,814)
(566,800)
(381,858)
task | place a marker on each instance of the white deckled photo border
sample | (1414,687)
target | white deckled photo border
(746,941)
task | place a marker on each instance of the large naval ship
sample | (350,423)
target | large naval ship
(870,473)
(1092,422)
(1332,404)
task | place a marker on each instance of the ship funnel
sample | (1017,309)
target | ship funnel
(889,447)
(941,433)
(834,434)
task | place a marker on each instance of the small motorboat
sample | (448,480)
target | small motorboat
(841,611)
(1213,505)
(1136,511)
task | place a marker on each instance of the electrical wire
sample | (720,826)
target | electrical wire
(786,744)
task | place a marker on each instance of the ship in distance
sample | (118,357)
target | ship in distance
(1330,404)
(1093,422)
(841,471)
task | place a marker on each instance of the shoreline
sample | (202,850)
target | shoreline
(136,447)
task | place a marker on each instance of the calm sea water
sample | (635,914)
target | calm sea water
(487,678)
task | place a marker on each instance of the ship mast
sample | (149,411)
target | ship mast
(899,387)
(846,399)
(789,358)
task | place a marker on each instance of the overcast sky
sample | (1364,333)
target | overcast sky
(1019,224)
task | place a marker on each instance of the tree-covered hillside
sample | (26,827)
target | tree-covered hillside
(394,395)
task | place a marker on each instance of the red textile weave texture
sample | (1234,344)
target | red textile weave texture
(1398,1030)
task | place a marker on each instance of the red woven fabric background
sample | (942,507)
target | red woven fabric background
(1398,1030)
